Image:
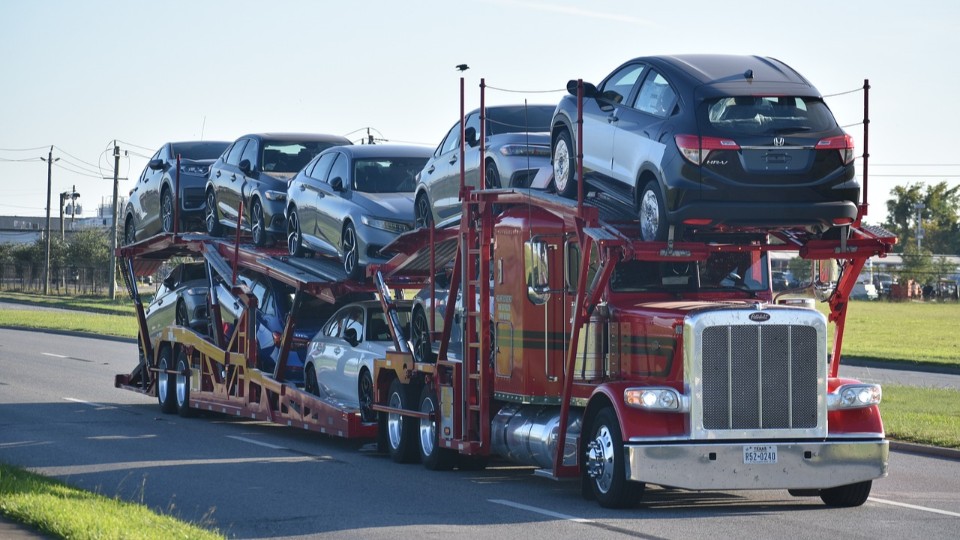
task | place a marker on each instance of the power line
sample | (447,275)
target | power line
(81,173)
(21,160)
(137,146)
(24,149)
(74,157)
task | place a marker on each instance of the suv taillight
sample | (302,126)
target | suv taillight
(842,143)
(696,149)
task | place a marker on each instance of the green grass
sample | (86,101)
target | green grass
(922,415)
(66,512)
(123,305)
(917,333)
(92,323)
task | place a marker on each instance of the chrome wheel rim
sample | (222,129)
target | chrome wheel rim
(394,421)
(428,432)
(561,164)
(182,382)
(424,216)
(162,379)
(600,459)
(649,215)
(350,256)
(421,336)
(256,225)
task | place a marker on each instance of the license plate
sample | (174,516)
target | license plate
(759,455)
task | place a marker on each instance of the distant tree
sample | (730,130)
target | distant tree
(801,269)
(89,248)
(940,215)
(917,265)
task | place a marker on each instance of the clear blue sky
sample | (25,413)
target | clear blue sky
(79,74)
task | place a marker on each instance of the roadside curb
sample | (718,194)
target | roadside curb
(925,450)
(72,333)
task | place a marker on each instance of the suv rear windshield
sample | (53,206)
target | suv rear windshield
(768,115)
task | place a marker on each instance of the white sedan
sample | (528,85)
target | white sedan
(339,364)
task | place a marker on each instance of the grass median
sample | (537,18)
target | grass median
(59,510)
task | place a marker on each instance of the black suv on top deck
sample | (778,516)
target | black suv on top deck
(257,169)
(711,142)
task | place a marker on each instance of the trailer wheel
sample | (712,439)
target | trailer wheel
(401,430)
(432,455)
(166,382)
(605,466)
(847,496)
(183,385)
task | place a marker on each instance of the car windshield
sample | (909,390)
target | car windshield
(386,175)
(745,271)
(290,156)
(199,150)
(519,119)
(768,115)
(194,271)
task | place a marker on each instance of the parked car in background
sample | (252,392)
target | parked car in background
(783,280)
(339,360)
(517,154)
(710,142)
(256,169)
(351,201)
(274,304)
(150,206)
(864,290)
(181,299)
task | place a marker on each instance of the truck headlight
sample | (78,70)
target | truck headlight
(385,224)
(275,195)
(656,399)
(854,396)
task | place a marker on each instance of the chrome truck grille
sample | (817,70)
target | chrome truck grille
(759,377)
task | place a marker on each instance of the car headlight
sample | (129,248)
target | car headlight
(196,291)
(656,399)
(385,224)
(196,170)
(854,396)
(525,150)
(275,195)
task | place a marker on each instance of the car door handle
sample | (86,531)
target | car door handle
(612,118)
(453,160)
(160,302)
(337,350)
(431,169)
(218,174)
(303,187)
(233,177)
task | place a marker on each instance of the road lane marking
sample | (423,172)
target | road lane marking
(90,403)
(258,443)
(54,355)
(66,357)
(542,511)
(915,507)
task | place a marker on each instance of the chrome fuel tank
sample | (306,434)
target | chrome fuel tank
(528,434)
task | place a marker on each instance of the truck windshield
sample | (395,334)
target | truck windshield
(746,271)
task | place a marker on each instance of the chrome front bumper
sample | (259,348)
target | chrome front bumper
(813,465)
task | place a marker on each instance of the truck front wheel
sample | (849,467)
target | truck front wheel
(605,464)
(847,496)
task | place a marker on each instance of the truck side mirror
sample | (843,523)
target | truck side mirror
(536,264)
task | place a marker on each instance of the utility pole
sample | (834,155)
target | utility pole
(919,207)
(113,236)
(46,264)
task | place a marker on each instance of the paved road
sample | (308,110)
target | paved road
(61,416)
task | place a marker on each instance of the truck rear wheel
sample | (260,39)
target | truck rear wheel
(432,455)
(183,385)
(605,464)
(847,496)
(166,382)
(401,430)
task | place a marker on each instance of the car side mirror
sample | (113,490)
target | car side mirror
(589,90)
(470,134)
(246,167)
(350,335)
(156,164)
(337,184)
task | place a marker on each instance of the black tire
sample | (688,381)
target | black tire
(211,215)
(847,496)
(294,236)
(605,464)
(350,248)
(129,232)
(432,455)
(365,393)
(653,216)
(423,213)
(401,430)
(420,332)
(564,165)
(491,176)
(183,385)
(258,226)
(166,211)
(310,381)
(182,319)
(166,382)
